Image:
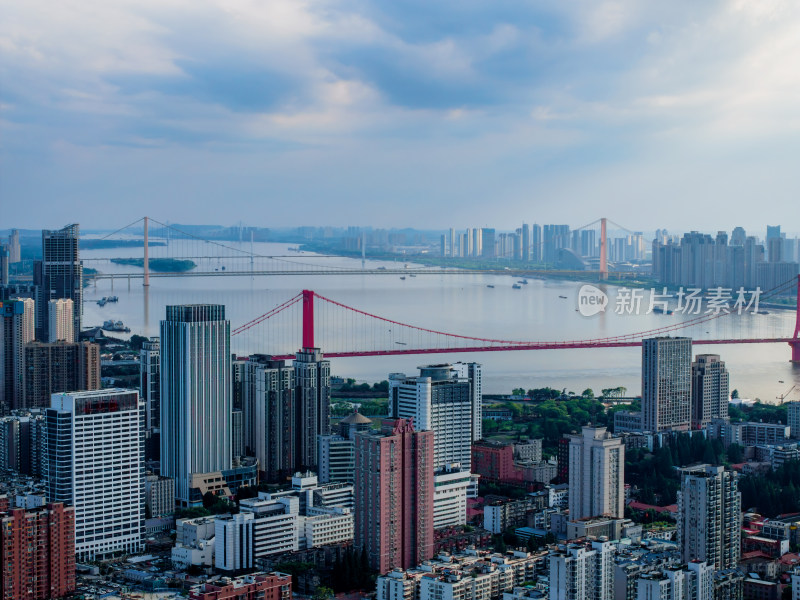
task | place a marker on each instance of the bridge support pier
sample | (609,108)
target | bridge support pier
(308,319)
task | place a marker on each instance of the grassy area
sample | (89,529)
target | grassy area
(163,265)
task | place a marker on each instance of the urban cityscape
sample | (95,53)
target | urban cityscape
(318,300)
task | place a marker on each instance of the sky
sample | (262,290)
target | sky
(679,114)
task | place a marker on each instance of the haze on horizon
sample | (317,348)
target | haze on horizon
(416,114)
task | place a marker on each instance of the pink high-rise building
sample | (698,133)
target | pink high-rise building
(394,495)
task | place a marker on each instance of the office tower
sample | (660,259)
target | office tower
(272,431)
(666,383)
(596,474)
(486,247)
(336,458)
(59,275)
(60,318)
(196,401)
(793,419)
(583,571)
(4,262)
(444,399)
(94,461)
(13,247)
(313,396)
(16,330)
(710,516)
(738,236)
(37,552)
(59,367)
(394,495)
(709,390)
(150,393)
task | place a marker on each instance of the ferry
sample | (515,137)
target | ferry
(516,286)
(403,278)
(490,286)
(102,302)
(564,297)
(112,325)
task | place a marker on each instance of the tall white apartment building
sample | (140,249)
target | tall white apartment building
(710,390)
(196,399)
(583,571)
(710,516)
(445,399)
(94,460)
(61,320)
(596,474)
(666,384)
(450,497)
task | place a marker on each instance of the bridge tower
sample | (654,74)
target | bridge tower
(795,344)
(308,319)
(603,250)
(146,279)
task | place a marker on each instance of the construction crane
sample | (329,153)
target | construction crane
(785,394)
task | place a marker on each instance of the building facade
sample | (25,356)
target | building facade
(59,367)
(666,384)
(196,402)
(60,320)
(59,275)
(394,495)
(710,390)
(94,461)
(313,396)
(710,516)
(596,474)
(16,329)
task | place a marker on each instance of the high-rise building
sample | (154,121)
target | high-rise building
(710,516)
(666,383)
(59,275)
(394,495)
(94,461)
(13,247)
(444,399)
(196,402)
(526,242)
(486,245)
(583,571)
(4,263)
(793,419)
(695,581)
(59,367)
(337,452)
(150,393)
(37,553)
(596,474)
(536,243)
(21,444)
(60,317)
(16,330)
(313,396)
(710,390)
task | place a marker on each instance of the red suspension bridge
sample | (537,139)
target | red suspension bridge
(350,332)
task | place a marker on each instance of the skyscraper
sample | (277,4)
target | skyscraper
(394,495)
(150,393)
(710,516)
(94,461)
(486,247)
(709,390)
(526,242)
(596,474)
(16,330)
(60,318)
(196,403)
(313,396)
(444,399)
(59,275)
(13,247)
(666,383)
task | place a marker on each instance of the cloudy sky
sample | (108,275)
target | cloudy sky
(679,114)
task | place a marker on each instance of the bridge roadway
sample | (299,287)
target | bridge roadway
(536,346)
(396,272)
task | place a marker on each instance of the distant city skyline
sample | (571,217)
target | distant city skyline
(478,114)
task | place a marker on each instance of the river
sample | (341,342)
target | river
(460,304)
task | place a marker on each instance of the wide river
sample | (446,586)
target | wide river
(461,304)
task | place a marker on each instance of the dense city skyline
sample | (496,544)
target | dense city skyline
(374,112)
